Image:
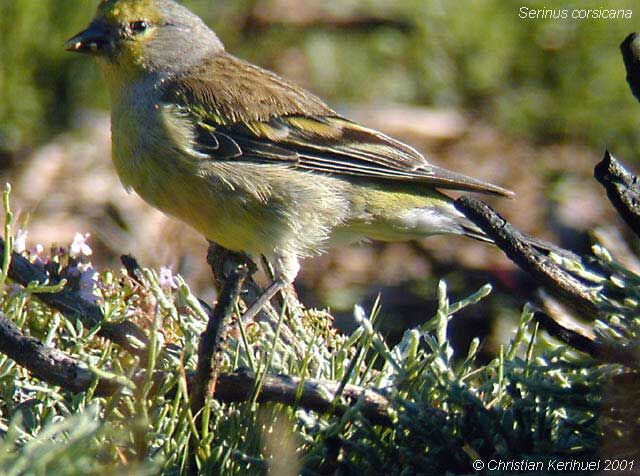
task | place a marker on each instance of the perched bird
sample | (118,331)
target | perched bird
(250,160)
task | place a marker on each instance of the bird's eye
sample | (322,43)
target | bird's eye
(138,27)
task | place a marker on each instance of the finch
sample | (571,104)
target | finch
(250,160)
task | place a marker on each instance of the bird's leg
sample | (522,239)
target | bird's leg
(269,271)
(288,296)
(265,297)
(283,273)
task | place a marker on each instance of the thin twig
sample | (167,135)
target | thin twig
(630,49)
(230,274)
(531,255)
(46,363)
(568,336)
(74,307)
(595,349)
(216,331)
(251,292)
(55,367)
(622,189)
(316,395)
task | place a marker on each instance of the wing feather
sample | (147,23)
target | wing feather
(277,122)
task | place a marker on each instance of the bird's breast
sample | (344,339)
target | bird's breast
(241,205)
(148,154)
(136,134)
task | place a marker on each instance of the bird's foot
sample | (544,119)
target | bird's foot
(263,300)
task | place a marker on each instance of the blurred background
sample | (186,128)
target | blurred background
(530,104)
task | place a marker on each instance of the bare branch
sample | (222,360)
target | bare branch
(568,336)
(46,363)
(622,189)
(531,255)
(597,350)
(316,395)
(630,49)
(236,269)
(230,271)
(74,307)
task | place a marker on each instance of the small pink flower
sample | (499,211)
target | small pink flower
(166,279)
(79,247)
(88,282)
(37,250)
(20,241)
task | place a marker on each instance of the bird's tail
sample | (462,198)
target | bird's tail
(470,230)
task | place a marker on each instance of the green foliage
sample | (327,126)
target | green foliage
(546,80)
(535,400)
(67,446)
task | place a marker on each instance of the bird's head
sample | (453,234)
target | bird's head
(149,35)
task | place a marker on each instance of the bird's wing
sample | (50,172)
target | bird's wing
(266,119)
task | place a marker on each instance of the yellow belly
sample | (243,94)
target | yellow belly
(246,207)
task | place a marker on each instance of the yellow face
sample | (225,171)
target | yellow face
(121,32)
(134,36)
(124,12)
(136,22)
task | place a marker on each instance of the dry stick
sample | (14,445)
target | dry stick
(595,349)
(621,185)
(622,189)
(71,304)
(316,395)
(526,253)
(57,368)
(44,362)
(230,276)
(216,331)
(251,292)
(630,49)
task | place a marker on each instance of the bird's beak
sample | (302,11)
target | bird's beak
(95,40)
